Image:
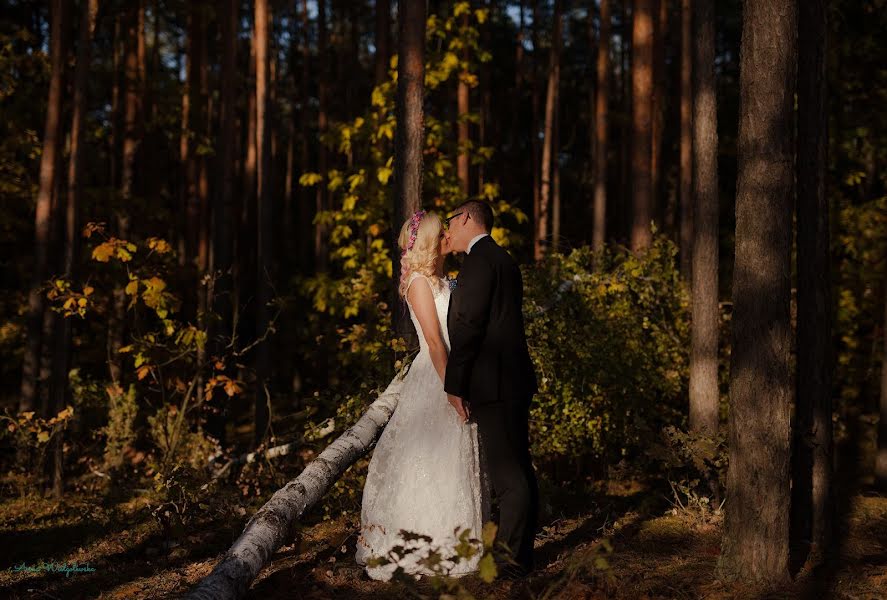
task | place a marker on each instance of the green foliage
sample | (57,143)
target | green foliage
(120,431)
(355,293)
(610,347)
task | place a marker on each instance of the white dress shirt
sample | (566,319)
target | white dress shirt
(474,241)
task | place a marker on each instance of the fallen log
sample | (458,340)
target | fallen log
(274,523)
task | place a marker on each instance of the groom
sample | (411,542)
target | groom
(490,375)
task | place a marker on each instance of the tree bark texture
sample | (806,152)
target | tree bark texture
(641,124)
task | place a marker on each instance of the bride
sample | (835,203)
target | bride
(424,476)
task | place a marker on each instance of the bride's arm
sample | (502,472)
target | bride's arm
(422,301)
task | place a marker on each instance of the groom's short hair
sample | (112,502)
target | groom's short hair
(481,212)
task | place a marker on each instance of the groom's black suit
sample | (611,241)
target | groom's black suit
(489,367)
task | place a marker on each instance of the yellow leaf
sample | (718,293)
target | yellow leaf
(43,437)
(488,535)
(132,288)
(88,290)
(103,252)
(82,302)
(143,372)
(487,568)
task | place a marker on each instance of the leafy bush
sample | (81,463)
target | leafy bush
(611,349)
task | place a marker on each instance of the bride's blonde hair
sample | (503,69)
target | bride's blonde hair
(419,243)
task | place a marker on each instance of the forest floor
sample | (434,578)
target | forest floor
(658,551)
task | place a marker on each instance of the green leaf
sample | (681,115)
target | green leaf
(487,568)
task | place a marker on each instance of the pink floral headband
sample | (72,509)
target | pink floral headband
(414,229)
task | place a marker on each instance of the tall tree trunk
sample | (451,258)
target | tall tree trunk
(383,40)
(641,122)
(223,212)
(686,227)
(462,124)
(43,213)
(274,524)
(556,181)
(321,250)
(264,223)
(62,351)
(202,119)
(755,546)
(551,100)
(534,127)
(408,136)
(601,128)
(127,174)
(881,459)
(812,459)
(660,104)
(306,235)
(704,395)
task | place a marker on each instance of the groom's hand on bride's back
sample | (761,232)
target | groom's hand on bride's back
(460,406)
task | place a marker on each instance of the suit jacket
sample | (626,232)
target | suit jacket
(489,360)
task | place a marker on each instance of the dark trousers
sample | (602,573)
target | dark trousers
(503,431)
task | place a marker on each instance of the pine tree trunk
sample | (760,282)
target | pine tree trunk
(534,129)
(641,123)
(551,99)
(704,395)
(274,524)
(43,213)
(881,460)
(321,250)
(264,221)
(306,231)
(756,534)
(601,128)
(383,40)
(408,137)
(660,104)
(686,227)
(223,212)
(462,124)
(812,458)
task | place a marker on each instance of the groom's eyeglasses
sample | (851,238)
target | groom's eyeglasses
(446,222)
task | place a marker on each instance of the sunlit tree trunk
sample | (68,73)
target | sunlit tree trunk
(704,393)
(43,212)
(601,129)
(641,122)
(756,533)
(686,221)
(548,150)
(881,460)
(264,221)
(409,134)
(812,458)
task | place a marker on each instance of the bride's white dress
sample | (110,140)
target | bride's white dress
(424,476)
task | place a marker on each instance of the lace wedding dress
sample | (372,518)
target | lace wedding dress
(424,476)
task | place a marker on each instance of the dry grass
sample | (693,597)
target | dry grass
(656,554)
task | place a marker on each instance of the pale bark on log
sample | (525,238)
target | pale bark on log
(273,524)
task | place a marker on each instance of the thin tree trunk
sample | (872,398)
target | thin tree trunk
(686,227)
(462,124)
(551,99)
(43,213)
(601,128)
(534,126)
(321,250)
(264,221)
(641,120)
(409,135)
(881,459)
(812,459)
(704,395)
(274,524)
(756,535)
(306,236)
(660,103)
(383,40)
(556,182)
(131,70)
(223,213)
